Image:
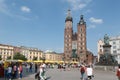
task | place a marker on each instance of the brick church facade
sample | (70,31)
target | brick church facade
(75,46)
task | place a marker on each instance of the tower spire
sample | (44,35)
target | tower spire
(68,13)
(81,20)
(68,17)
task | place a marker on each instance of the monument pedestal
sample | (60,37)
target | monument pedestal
(107,58)
(107,49)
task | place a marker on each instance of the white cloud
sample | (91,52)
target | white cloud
(78,4)
(25,9)
(5,10)
(95,20)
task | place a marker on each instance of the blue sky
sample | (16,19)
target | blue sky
(41,23)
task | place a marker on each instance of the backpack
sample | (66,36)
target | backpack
(118,73)
(82,70)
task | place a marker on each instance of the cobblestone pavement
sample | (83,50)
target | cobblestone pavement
(73,74)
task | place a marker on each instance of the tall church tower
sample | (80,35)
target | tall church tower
(81,40)
(68,32)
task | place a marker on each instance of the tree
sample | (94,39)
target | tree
(19,56)
(34,58)
(9,57)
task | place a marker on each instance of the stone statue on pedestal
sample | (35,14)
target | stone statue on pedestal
(106,39)
(107,58)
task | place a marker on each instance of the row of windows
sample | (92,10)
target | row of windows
(3,50)
(81,43)
(4,57)
(68,36)
(34,53)
(67,45)
(7,53)
(68,40)
(81,39)
(79,48)
(116,42)
(81,35)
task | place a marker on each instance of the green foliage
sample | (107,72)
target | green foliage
(34,58)
(9,57)
(40,58)
(18,56)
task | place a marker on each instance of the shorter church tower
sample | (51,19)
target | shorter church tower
(81,40)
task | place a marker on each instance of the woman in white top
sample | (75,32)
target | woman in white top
(41,73)
(89,71)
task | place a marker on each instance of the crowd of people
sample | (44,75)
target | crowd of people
(15,70)
(11,71)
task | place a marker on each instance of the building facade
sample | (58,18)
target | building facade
(6,51)
(115,48)
(53,56)
(30,53)
(100,44)
(75,43)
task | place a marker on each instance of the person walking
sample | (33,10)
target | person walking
(89,72)
(30,69)
(41,73)
(9,72)
(118,72)
(82,71)
(15,71)
(20,70)
(36,66)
